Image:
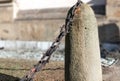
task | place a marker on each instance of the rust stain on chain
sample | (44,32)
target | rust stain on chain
(64,30)
(77,11)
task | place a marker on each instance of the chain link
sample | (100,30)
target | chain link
(46,56)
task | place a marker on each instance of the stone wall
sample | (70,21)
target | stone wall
(43,30)
(44,25)
(113,9)
(6,13)
(33,25)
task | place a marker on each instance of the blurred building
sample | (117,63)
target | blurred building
(22,20)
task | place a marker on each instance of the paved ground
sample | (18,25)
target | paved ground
(112,73)
(12,70)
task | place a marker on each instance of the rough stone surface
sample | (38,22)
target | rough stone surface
(82,48)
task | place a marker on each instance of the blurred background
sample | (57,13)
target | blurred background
(28,27)
(35,24)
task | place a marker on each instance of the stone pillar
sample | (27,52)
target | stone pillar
(82,54)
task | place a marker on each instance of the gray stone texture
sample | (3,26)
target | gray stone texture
(82,48)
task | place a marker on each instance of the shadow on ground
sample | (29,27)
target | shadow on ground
(4,77)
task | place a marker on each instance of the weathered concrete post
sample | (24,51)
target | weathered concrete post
(82,54)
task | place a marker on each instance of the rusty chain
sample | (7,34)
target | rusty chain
(46,56)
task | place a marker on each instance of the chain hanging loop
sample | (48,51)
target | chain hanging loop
(46,56)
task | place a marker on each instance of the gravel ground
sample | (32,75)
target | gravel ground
(13,70)
(13,66)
